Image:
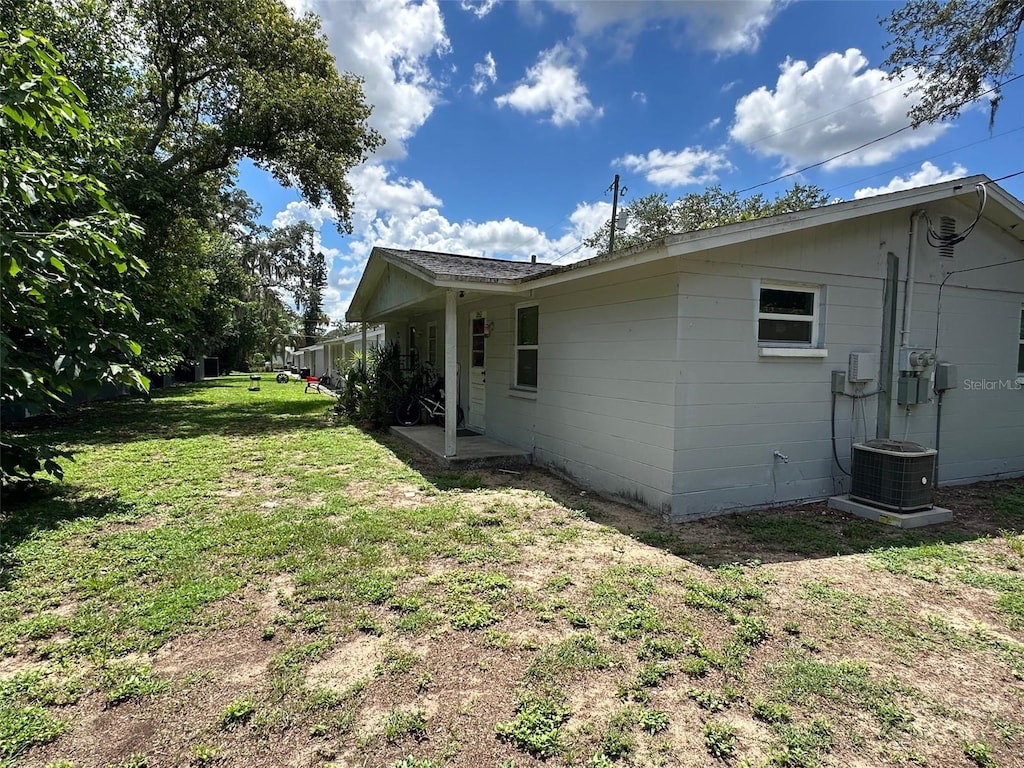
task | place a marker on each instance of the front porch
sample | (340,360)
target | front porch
(473,450)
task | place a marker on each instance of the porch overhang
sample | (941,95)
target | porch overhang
(396,284)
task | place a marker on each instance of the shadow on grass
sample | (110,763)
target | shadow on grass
(167,415)
(44,506)
(814,531)
(782,534)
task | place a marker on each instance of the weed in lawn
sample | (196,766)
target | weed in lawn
(536,726)
(137,760)
(711,701)
(720,739)
(637,620)
(401,723)
(397,661)
(24,726)
(771,712)
(204,754)
(415,762)
(237,712)
(652,673)
(365,622)
(751,631)
(476,615)
(801,746)
(845,682)
(694,666)
(978,752)
(577,653)
(323,699)
(652,720)
(660,648)
(124,682)
(616,743)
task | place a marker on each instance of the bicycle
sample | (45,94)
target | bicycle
(427,406)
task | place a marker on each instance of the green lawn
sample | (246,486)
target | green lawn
(235,578)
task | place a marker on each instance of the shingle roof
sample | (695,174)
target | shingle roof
(453,266)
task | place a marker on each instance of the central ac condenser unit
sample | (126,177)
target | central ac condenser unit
(893,474)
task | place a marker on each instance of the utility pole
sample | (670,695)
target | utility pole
(615,208)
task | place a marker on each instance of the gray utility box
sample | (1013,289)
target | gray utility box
(945,377)
(913,390)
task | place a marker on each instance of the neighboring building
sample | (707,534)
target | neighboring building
(329,357)
(694,374)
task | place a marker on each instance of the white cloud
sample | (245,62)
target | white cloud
(484,73)
(693,165)
(552,84)
(389,43)
(799,122)
(302,211)
(713,123)
(928,174)
(403,213)
(640,96)
(723,27)
(480,8)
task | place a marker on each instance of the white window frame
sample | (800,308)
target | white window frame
(432,344)
(519,347)
(767,346)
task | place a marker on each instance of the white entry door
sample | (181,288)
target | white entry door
(476,414)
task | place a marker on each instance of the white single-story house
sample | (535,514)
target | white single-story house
(329,357)
(734,368)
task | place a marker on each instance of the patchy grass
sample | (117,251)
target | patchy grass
(234,578)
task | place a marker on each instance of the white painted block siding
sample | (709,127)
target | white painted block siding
(650,386)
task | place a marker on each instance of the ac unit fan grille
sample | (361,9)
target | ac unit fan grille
(893,475)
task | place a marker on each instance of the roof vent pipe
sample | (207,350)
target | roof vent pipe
(533,258)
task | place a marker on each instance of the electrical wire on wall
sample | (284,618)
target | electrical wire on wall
(938,240)
(853,419)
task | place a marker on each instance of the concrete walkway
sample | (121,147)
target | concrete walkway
(473,451)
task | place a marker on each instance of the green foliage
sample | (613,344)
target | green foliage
(237,712)
(131,682)
(400,723)
(536,727)
(66,320)
(375,385)
(978,752)
(720,739)
(653,216)
(770,711)
(951,52)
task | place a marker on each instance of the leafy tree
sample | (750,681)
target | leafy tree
(957,49)
(193,87)
(315,281)
(653,216)
(66,322)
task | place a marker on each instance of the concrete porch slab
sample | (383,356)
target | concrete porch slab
(474,451)
(931,516)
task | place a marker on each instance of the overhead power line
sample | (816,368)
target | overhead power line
(869,143)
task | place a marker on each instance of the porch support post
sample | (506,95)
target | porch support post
(451,371)
(362,327)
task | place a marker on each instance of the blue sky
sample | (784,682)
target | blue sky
(506,121)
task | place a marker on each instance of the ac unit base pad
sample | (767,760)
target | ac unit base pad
(931,516)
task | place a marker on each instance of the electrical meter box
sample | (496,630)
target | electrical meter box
(913,390)
(863,366)
(916,359)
